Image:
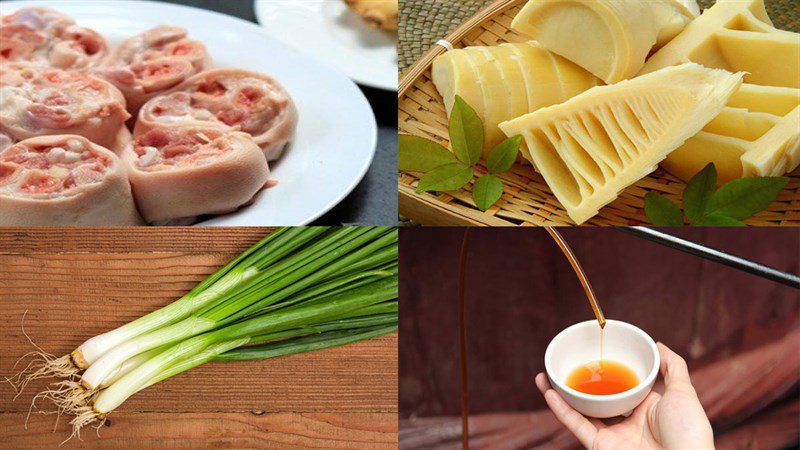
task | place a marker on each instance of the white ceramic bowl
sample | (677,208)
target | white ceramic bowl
(623,343)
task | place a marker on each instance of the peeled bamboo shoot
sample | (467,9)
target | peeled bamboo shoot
(737,36)
(593,146)
(609,38)
(757,134)
(507,81)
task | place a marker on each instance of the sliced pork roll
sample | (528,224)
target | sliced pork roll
(47,37)
(5,141)
(63,180)
(36,101)
(183,172)
(153,62)
(242,100)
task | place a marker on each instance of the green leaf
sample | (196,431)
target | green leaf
(487,191)
(449,177)
(698,192)
(662,212)
(417,154)
(718,220)
(744,197)
(502,157)
(466,132)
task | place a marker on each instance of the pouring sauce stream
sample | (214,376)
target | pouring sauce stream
(462,335)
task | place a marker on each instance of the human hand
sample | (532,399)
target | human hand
(672,421)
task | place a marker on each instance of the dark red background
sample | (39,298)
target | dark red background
(521,291)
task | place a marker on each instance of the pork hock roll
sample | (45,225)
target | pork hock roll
(63,180)
(47,37)
(153,62)
(239,99)
(5,141)
(36,101)
(182,172)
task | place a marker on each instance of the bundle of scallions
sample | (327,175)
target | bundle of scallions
(298,289)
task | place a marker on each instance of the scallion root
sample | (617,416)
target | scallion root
(42,365)
(68,396)
(85,416)
(31,411)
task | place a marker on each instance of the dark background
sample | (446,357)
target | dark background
(374,200)
(521,292)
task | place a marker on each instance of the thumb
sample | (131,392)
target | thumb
(674,369)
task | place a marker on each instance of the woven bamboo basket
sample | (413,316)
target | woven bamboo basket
(527,200)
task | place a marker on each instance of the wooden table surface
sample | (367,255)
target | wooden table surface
(76,283)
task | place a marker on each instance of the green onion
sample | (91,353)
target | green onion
(297,290)
(247,265)
(301,344)
(316,263)
(240,333)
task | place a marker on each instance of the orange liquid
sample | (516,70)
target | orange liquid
(602,377)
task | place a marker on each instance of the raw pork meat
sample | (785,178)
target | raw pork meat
(239,99)
(36,101)
(63,180)
(183,172)
(47,37)
(153,62)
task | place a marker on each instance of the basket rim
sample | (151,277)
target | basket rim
(414,71)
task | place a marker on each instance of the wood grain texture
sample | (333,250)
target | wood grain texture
(71,284)
(16,240)
(206,430)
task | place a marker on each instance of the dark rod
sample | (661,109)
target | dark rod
(715,255)
(462,339)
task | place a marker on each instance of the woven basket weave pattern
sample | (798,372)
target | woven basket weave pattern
(527,200)
(423,22)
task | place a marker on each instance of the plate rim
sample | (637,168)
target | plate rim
(259,13)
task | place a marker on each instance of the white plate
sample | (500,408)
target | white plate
(336,135)
(328,31)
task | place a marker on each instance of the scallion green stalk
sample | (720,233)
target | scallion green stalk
(245,266)
(284,319)
(305,343)
(320,261)
(295,341)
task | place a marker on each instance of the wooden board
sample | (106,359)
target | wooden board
(71,284)
(212,430)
